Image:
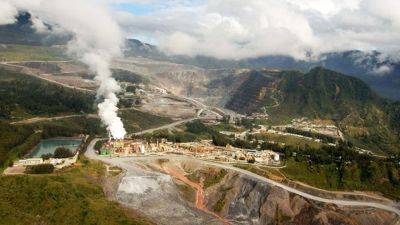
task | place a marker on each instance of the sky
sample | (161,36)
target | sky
(237,29)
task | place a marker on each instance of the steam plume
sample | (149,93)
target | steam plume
(97,39)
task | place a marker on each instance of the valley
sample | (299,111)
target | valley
(159,104)
(200,140)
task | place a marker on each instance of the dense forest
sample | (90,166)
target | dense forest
(127,76)
(19,92)
(10,138)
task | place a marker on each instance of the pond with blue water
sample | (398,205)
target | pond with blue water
(50,145)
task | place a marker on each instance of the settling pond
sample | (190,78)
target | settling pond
(50,145)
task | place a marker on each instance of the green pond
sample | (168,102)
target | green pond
(50,145)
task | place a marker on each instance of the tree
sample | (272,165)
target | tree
(40,169)
(197,127)
(220,140)
(47,156)
(62,152)
(99,144)
(251,159)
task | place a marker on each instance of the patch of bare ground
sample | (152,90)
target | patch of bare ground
(239,199)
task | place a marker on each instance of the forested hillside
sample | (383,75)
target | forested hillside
(22,95)
(367,119)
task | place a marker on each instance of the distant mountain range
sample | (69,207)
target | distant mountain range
(22,32)
(353,63)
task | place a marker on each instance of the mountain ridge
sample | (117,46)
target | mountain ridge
(365,118)
(348,62)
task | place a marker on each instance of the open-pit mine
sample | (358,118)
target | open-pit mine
(172,183)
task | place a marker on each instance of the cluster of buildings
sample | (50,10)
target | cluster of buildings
(264,116)
(19,166)
(57,163)
(265,156)
(203,149)
(315,126)
(122,148)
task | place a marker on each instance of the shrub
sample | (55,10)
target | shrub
(40,169)
(220,140)
(47,156)
(62,152)
(98,145)
(251,160)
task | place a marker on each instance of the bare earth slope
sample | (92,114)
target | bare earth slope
(235,196)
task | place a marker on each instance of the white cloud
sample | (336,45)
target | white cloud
(97,38)
(242,29)
(7,13)
(382,70)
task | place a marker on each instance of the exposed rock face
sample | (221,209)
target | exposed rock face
(211,86)
(235,197)
(155,195)
(246,201)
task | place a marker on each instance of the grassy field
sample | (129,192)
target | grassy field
(29,53)
(73,196)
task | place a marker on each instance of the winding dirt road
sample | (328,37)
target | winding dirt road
(41,119)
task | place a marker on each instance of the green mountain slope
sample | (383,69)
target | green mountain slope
(22,95)
(366,119)
(251,94)
(71,197)
(324,93)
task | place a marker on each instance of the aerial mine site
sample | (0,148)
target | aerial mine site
(259,112)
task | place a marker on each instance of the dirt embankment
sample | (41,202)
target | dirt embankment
(237,199)
(198,187)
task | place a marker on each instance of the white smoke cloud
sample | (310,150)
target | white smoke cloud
(236,29)
(97,39)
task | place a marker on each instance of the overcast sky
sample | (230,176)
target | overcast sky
(239,29)
(236,29)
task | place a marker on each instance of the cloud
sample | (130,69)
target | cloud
(97,38)
(304,29)
(38,25)
(7,13)
(382,70)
